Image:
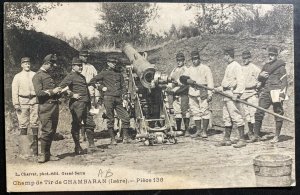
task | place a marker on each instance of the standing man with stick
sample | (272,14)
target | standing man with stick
(199,98)
(47,95)
(25,104)
(233,84)
(251,72)
(273,92)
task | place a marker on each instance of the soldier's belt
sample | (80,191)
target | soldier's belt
(53,102)
(250,88)
(27,96)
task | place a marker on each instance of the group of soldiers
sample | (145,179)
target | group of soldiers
(260,87)
(36,98)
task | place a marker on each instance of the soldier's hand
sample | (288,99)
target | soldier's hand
(76,96)
(18,108)
(57,90)
(264,74)
(217,89)
(234,97)
(209,98)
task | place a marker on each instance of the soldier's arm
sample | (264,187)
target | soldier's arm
(15,91)
(67,81)
(97,78)
(124,87)
(38,87)
(283,79)
(240,81)
(210,80)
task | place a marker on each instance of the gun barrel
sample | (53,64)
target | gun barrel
(144,69)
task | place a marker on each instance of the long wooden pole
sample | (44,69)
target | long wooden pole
(192,82)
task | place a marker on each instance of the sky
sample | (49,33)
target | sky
(74,18)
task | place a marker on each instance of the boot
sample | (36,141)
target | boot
(250,131)
(34,145)
(78,150)
(241,143)
(112,136)
(178,123)
(83,135)
(186,122)
(205,126)
(48,153)
(226,140)
(90,138)
(42,157)
(277,132)
(199,131)
(26,146)
(256,137)
(125,136)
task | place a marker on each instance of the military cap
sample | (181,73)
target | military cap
(25,59)
(84,53)
(273,50)
(76,61)
(195,54)
(50,58)
(246,54)
(180,56)
(229,51)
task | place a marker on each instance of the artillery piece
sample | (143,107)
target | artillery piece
(147,100)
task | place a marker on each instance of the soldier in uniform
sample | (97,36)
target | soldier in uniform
(25,104)
(114,89)
(47,95)
(233,84)
(179,94)
(251,72)
(199,98)
(80,104)
(274,85)
(88,71)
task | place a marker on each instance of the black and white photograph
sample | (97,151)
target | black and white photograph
(110,96)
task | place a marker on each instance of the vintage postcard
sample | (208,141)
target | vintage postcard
(148,96)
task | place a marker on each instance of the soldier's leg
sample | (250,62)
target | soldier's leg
(265,102)
(205,115)
(23,140)
(234,109)
(195,110)
(278,108)
(34,127)
(177,112)
(89,125)
(109,104)
(54,119)
(46,115)
(77,109)
(23,119)
(124,116)
(251,115)
(228,127)
(185,113)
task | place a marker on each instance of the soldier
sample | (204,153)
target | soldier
(233,84)
(80,104)
(88,71)
(114,89)
(180,94)
(47,95)
(25,104)
(251,72)
(199,98)
(273,91)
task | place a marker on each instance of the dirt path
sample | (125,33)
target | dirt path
(195,159)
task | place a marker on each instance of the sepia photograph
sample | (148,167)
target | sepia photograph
(110,96)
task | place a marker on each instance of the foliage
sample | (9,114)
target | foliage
(20,14)
(124,21)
